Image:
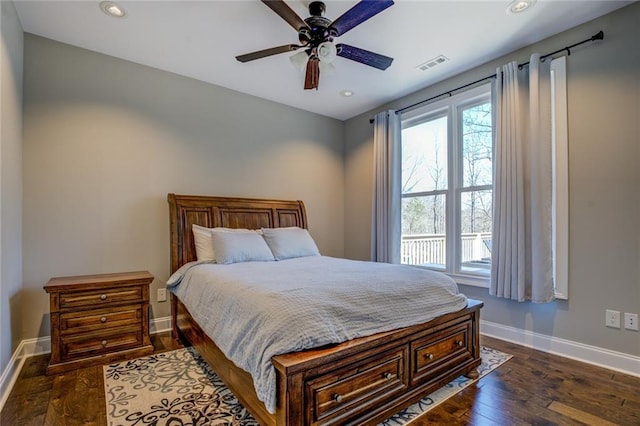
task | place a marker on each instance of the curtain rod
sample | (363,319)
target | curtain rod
(598,36)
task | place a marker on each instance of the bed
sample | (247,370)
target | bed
(361,381)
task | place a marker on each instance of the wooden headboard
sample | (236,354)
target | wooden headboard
(228,212)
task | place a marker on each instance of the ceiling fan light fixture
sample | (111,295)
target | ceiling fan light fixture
(327,52)
(327,68)
(299,60)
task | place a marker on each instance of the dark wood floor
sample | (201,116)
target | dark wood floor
(532,388)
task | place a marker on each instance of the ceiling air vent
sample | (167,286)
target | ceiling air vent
(432,62)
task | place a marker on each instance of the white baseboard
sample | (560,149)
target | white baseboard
(26,348)
(42,345)
(160,325)
(618,361)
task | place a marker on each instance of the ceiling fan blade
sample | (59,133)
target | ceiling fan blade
(266,52)
(286,13)
(357,15)
(365,57)
(312,77)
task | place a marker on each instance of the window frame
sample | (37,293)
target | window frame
(452,107)
(459,175)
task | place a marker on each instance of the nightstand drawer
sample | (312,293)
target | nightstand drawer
(81,345)
(100,319)
(106,297)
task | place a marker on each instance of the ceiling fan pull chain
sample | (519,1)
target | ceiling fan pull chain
(312,76)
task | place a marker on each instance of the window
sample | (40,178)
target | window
(447,178)
(560,167)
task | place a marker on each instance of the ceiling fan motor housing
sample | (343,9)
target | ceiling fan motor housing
(318,31)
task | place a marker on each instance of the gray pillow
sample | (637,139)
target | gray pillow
(286,243)
(234,247)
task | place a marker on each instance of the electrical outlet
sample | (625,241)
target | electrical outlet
(631,321)
(162,295)
(612,319)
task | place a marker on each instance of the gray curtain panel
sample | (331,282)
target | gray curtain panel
(387,170)
(522,261)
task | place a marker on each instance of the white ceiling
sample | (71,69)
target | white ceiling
(200,39)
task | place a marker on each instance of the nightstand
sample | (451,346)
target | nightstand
(98,319)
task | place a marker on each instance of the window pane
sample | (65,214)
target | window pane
(476,211)
(423,231)
(424,156)
(476,145)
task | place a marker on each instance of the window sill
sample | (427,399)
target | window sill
(472,280)
(477,281)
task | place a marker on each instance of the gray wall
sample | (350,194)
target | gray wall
(105,140)
(604,201)
(10,182)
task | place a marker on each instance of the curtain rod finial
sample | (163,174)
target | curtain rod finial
(599,36)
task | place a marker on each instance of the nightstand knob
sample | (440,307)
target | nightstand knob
(337,397)
(103,319)
(459,343)
(103,297)
(429,356)
(103,343)
(387,375)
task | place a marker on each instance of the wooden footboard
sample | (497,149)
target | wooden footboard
(362,381)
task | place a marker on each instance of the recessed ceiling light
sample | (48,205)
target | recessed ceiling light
(518,6)
(112,9)
(346,93)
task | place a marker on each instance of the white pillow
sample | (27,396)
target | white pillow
(286,243)
(202,241)
(234,247)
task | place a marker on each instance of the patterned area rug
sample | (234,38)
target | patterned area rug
(177,388)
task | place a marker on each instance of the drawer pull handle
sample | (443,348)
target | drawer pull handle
(459,343)
(103,319)
(103,343)
(337,397)
(429,356)
(387,375)
(103,297)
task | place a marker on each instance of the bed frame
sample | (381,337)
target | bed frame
(361,381)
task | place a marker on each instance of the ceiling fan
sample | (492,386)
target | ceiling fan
(316,34)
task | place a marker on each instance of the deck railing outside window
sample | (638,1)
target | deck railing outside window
(427,249)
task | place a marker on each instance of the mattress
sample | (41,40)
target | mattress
(256,310)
